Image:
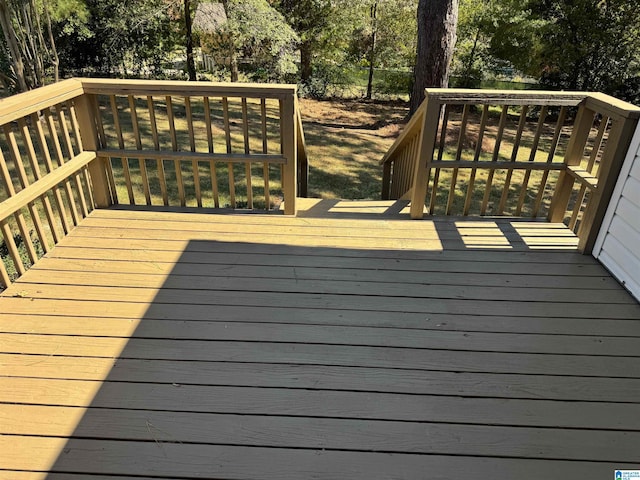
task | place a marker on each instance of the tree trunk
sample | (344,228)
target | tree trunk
(372,52)
(306,53)
(233,64)
(12,43)
(437,20)
(54,51)
(191,64)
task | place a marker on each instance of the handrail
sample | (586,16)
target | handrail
(64,142)
(439,146)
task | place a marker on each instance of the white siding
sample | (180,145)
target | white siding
(618,244)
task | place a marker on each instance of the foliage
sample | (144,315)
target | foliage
(572,44)
(260,34)
(116,37)
(29,45)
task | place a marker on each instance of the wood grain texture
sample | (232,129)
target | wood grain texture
(182,345)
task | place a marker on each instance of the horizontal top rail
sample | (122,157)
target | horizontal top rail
(412,127)
(30,193)
(24,104)
(172,87)
(463,96)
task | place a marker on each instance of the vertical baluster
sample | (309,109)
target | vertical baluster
(552,153)
(247,151)
(597,145)
(162,180)
(24,181)
(532,158)
(136,134)
(125,161)
(102,138)
(441,147)
(33,161)
(174,146)
(53,133)
(514,157)
(44,151)
(212,163)
(46,203)
(265,150)
(76,135)
(12,247)
(476,158)
(192,144)
(62,123)
(5,280)
(454,176)
(227,133)
(496,155)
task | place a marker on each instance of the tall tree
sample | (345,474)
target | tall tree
(437,20)
(309,19)
(258,32)
(191,64)
(30,53)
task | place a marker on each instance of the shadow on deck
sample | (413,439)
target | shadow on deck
(177,345)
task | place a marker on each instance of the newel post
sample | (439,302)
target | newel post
(620,136)
(288,126)
(573,156)
(426,147)
(89,135)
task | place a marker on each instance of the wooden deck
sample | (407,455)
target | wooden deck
(155,344)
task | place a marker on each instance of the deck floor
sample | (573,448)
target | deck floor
(156,344)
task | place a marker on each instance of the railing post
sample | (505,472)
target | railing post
(426,147)
(289,144)
(620,136)
(303,161)
(89,135)
(574,154)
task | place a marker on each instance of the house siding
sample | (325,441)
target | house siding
(618,244)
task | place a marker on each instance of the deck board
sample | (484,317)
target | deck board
(165,344)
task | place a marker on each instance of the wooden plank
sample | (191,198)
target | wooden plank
(431,304)
(193,156)
(195,166)
(24,104)
(313,433)
(472,321)
(192,285)
(40,187)
(236,462)
(181,88)
(322,404)
(528,166)
(362,273)
(188,251)
(78,138)
(329,335)
(325,377)
(409,358)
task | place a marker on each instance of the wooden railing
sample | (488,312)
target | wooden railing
(535,154)
(82,144)
(198,144)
